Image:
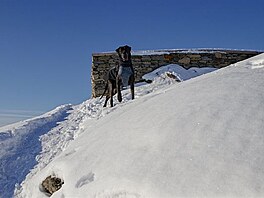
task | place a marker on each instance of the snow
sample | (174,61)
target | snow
(181,73)
(181,50)
(20,145)
(256,64)
(168,51)
(202,137)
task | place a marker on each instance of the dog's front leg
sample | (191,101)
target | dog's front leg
(106,99)
(111,92)
(132,86)
(118,86)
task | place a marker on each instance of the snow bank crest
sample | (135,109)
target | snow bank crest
(256,63)
(181,73)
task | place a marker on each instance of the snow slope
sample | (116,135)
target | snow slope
(35,142)
(20,145)
(202,137)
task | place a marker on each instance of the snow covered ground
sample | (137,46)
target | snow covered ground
(202,137)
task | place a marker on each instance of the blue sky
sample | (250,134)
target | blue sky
(46,45)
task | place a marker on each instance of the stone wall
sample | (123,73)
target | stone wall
(147,61)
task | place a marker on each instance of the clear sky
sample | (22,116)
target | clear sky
(46,45)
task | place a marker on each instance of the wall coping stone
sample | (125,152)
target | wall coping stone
(169,51)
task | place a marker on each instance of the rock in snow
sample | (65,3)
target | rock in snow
(51,185)
(198,138)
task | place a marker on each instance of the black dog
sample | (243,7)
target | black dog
(125,74)
(119,76)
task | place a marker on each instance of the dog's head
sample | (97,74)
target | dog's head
(124,53)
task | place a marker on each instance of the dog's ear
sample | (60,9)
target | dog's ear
(128,47)
(117,50)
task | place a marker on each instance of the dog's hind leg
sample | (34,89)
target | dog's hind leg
(106,86)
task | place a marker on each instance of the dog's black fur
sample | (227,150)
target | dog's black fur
(124,54)
(114,80)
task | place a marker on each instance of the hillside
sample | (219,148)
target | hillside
(202,137)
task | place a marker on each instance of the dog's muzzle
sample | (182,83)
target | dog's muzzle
(124,56)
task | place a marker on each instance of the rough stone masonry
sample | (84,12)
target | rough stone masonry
(147,61)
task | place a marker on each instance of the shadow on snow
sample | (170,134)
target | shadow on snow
(21,157)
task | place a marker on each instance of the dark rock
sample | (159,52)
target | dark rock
(52,184)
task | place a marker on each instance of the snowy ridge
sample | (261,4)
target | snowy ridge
(179,72)
(58,138)
(68,125)
(256,64)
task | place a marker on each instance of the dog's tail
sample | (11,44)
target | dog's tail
(106,86)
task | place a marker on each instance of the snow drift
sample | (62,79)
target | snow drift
(202,137)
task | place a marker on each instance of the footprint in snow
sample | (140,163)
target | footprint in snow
(70,152)
(86,179)
(5,135)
